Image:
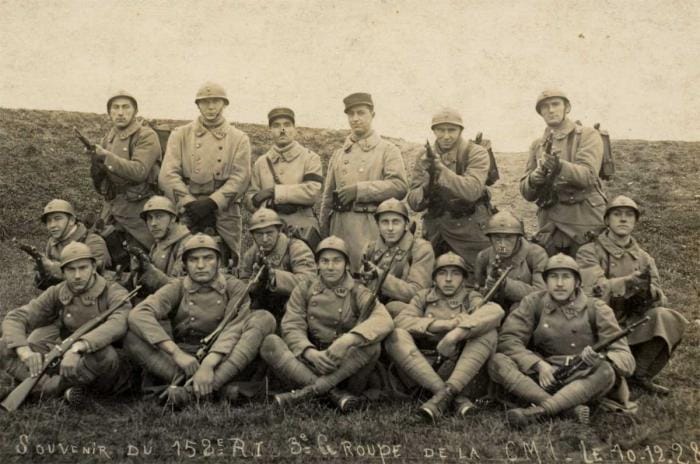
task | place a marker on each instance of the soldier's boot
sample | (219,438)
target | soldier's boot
(344,401)
(150,358)
(178,397)
(651,357)
(293,397)
(435,407)
(230,393)
(284,364)
(521,417)
(581,391)
(464,406)
(75,396)
(580,413)
(356,359)
(403,351)
(505,372)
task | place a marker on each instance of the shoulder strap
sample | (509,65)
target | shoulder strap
(590,309)
(102,303)
(463,158)
(574,140)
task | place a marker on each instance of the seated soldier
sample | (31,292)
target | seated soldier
(448,322)
(64,228)
(331,331)
(164,260)
(196,304)
(509,247)
(617,270)
(287,262)
(409,259)
(546,331)
(92,363)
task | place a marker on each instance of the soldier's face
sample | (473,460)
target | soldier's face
(211,108)
(122,112)
(266,238)
(331,266)
(58,223)
(283,131)
(621,221)
(78,274)
(504,244)
(202,265)
(158,223)
(391,227)
(360,119)
(561,284)
(553,110)
(446,135)
(448,279)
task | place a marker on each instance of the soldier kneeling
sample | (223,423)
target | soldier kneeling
(196,304)
(331,331)
(453,329)
(547,330)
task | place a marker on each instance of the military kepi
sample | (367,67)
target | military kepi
(280,112)
(359,98)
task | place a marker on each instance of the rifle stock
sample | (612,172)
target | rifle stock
(492,291)
(17,396)
(88,144)
(546,195)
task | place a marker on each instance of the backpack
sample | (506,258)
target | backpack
(607,167)
(462,160)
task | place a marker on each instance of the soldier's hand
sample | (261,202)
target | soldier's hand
(134,264)
(69,365)
(203,380)
(546,374)
(347,195)
(186,362)
(537,177)
(591,357)
(490,282)
(100,154)
(320,361)
(370,271)
(262,195)
(339,348)
(634,282)
(658,296)
(551,163)
(449,345)
(33,360)
(439,326)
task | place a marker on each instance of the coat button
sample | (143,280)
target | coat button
(124,149)
(192,302)
(573,344)
(197,171)
(218,301)
(198,145)
(192,318)
(546,325)
(221,148)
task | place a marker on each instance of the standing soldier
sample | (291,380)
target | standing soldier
(287,262)
(561,176)
(125,168)
(618,270)
(164,260)
(451,187)
(509,247)
(288,179)
(64,228)
(364,172)
(331,331)
(196,304)
(546,331)
(408,259)
(92,362)
(450,322)
(206,170)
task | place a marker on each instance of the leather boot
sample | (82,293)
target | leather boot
(646,384)
(521,417)
(75,396)
(230,393)
(343,400)
(464,406)
(179,397)
(293,397)
(435,407)
(580,414)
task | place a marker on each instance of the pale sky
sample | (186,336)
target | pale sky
(631,65)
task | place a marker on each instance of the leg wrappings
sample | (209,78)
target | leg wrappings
(505,372)
(581,391)
(474,355)
(403,351)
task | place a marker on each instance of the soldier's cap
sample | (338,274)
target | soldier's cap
(57,206)
(158,203)
(75,251)
(264,217)
(122,94)
(211,90)
(621,201)
(333,243)
(359,98)
(392,205)
(504,222)
(450,259)
(550,93)
(447,116)
(280,112)
(562,261)
(198,241)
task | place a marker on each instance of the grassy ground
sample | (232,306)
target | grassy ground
(41,161)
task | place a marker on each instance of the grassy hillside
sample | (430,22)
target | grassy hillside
(41,160)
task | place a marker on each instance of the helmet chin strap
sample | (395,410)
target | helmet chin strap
(68,229)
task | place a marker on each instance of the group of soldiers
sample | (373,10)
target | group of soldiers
(350,302)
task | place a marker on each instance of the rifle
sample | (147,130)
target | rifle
(369,306)
(17,396)
(44,276)
(492,291)
(565,372)
(432,169)
(89,146)
(546,195)
(207,342)
(275,177)
(642,300)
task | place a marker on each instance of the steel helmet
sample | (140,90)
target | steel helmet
(447,116)
(333,243)
(211,90)
(198,241)
(622,201)
(264,217)
(450,259)
(562,261)
(392,205)
(122,94)
(57,206)
(550,93)
(158,203)
(75,251)
(504,222)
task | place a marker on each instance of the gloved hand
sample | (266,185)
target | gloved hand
(262,195)
(634,282)
(347,195)
(537,177)
(200,209)
(99,155)
(551,163)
